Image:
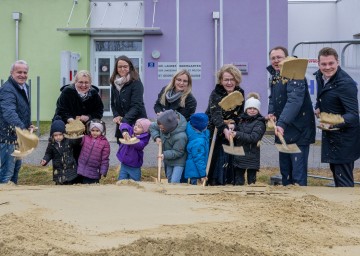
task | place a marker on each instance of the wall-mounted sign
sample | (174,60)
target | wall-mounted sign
(166,70)
(242,66)
(151,64)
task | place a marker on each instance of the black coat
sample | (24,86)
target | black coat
(70,104)
(249,132)
(64,163)
(128,103)
(187,111)
(339,96)
(290,102)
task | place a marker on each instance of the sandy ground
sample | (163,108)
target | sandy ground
(165,219)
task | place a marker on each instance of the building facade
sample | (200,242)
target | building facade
(59,37)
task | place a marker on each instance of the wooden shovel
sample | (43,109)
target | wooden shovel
(232,150)
(283,147)
(210,154)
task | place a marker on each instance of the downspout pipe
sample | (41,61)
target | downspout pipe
(17,17)
(221,34)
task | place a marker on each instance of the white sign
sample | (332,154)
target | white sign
(166,70)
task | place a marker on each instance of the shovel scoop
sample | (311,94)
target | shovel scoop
(283,147)
(230,149)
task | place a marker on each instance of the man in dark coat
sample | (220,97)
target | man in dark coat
(290,104)
(14,112)
(337,94)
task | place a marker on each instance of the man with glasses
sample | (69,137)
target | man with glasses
(290,106)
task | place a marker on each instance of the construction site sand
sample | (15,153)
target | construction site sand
(164,219)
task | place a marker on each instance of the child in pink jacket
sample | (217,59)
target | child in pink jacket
(94,156)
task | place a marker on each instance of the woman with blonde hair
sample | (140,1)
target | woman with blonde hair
(177,95)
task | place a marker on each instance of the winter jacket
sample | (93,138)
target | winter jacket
(187,111)
(290,102)
(217,115)
(94,157)
(63,161)
(339,96)
(249,132)
(197,152)
(128,103)
(14,110)
(70,104)
(133,155)
(173,143)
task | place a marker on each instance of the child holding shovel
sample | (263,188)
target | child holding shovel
(248,134)
(169,130)
(131,155)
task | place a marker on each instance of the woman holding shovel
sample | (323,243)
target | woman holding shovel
(228,81)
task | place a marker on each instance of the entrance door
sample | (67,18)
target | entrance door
(104,62)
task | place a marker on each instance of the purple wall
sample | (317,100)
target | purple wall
(244,41)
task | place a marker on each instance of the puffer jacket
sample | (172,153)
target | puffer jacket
(187,111)
(174,143)
(197,152)
(290,102)
(70,104)
(63,161)
(133,155)
(94,157)
(14,110)
(249,132)
(339,96)
(128,103)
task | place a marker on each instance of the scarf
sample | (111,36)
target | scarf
(172,96)
(83,96)
(120,81)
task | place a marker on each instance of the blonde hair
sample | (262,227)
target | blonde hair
(82,73)
(231,69)
(171,86)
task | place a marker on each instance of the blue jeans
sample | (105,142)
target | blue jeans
(173,173)
(293,167)
(128,172)
(9,165)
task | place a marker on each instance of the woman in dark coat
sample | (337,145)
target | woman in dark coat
(177,96)
(127,102)
(228,81)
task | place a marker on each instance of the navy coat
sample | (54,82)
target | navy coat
(339,96)
(14,110)
(290,102)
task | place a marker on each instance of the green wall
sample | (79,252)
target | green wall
(40,44)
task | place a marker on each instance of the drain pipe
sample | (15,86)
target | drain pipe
(17,17)
(221,34)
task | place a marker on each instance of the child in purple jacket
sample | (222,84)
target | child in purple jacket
(132,156)
(94,156)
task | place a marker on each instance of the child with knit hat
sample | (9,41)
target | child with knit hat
(95,151)
(170,131)
(131,156)
(248,134)
(197,147)
(60,151)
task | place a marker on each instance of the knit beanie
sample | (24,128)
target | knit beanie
(199,121)
(168,119)
(145,123)
(96,125)
(252,103)
(57,125)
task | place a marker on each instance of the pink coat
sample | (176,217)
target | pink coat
(94,157)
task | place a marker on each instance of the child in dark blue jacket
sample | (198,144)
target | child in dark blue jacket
(132,156)
(197,147)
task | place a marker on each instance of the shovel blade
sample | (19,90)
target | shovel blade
(289,148)
(238,151)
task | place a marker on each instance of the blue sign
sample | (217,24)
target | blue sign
(151,64)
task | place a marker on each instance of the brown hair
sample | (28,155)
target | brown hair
(280,48)
(229,68)
(171,86)
(328,51)
(134,75)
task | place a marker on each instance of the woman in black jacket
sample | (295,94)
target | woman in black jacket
(177,96)
(127,102)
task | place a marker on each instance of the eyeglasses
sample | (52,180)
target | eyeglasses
(123,67)
(83,83)
(275,58)
(181,81)
(228,80)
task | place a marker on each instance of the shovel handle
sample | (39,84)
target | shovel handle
(210,154)
(279,135)
(159,162)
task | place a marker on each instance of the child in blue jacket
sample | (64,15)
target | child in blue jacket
(132,156)
(197,147)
